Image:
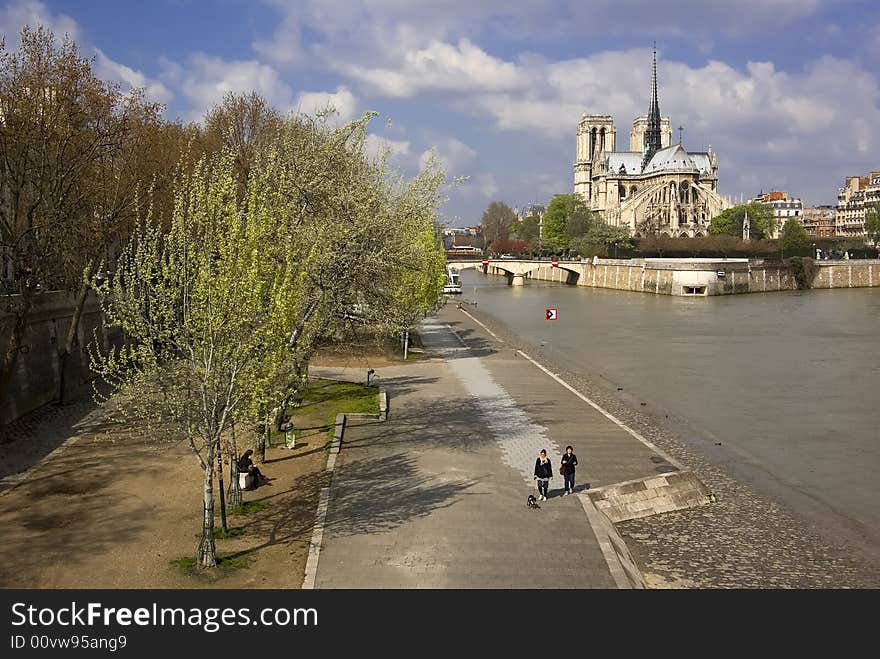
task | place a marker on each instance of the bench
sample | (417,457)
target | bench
(245,480)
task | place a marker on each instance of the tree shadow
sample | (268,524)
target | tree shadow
(62,515)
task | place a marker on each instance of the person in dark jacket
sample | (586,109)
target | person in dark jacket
(543,474)
(569,462)
(246,464)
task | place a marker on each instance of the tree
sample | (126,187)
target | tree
(602,240)
(762,223)
(793,236)
(244,124)
(497,221)
(59,127)
(872,223)
(530,229)
(567,216)
(509,246)
(222,312)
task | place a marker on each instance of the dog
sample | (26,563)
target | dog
(532,502)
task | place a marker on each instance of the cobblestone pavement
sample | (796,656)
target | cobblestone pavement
(745,540)
(31,438)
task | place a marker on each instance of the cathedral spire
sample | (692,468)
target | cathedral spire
(653,131)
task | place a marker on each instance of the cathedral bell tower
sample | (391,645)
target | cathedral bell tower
(595,137)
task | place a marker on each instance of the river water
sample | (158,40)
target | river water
(789,382)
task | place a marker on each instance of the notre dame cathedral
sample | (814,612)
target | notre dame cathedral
(655,188)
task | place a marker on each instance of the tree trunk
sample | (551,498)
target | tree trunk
(207,548)
(13,347)
(260,450)
(220,488)
(70,342)
(405,344)
(234,492)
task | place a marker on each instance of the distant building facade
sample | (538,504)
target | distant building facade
(819,221)
(857,195)
(655,188)
(784,207)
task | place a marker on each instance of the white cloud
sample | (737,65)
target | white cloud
(110,70)
(444,67)
(342,100)
(205,79)
(458,158)
(397,148)
(32,12)
(285,46)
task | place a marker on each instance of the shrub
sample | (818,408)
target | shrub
(803,270)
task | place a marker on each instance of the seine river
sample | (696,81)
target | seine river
(788,383)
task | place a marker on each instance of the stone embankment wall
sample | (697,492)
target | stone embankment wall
(37,374)
(703,276)
(847,274)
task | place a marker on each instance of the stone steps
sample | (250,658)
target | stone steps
(651,495)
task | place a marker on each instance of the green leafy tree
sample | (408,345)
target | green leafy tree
(872,224)
(602,240)
(793,236)
(762,223)
(223,310)
(530,229)
(567,216)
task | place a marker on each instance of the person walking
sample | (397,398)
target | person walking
(566,468)
(543,474)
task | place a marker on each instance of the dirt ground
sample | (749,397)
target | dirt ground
(112,510)
(113,513)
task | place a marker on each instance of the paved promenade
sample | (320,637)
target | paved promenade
(434,497)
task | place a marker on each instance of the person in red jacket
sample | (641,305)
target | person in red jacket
(543,474)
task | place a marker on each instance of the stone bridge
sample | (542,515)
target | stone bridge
(517,270)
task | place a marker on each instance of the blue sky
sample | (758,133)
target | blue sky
(787,92)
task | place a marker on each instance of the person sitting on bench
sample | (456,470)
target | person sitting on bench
(246,465)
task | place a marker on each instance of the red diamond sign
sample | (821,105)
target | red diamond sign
(555,264)
(551,314)
(485,261)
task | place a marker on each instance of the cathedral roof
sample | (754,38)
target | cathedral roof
(703,161)
(671,157)
(632,162)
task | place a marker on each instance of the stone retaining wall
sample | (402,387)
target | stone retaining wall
(35,381)
(702,276)
(847,274)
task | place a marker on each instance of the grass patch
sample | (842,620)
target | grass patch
(232,532)
(324,399)
(225,564)
(247,508)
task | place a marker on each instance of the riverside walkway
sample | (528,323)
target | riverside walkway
(435,496)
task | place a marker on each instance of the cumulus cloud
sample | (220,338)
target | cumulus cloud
(342,101)
(397,149)
(205,79)
(443,67)
(110,70)
(457,158)
(370,32)
(33,13)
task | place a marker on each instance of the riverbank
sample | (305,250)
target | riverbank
(695,277)
(747,539)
